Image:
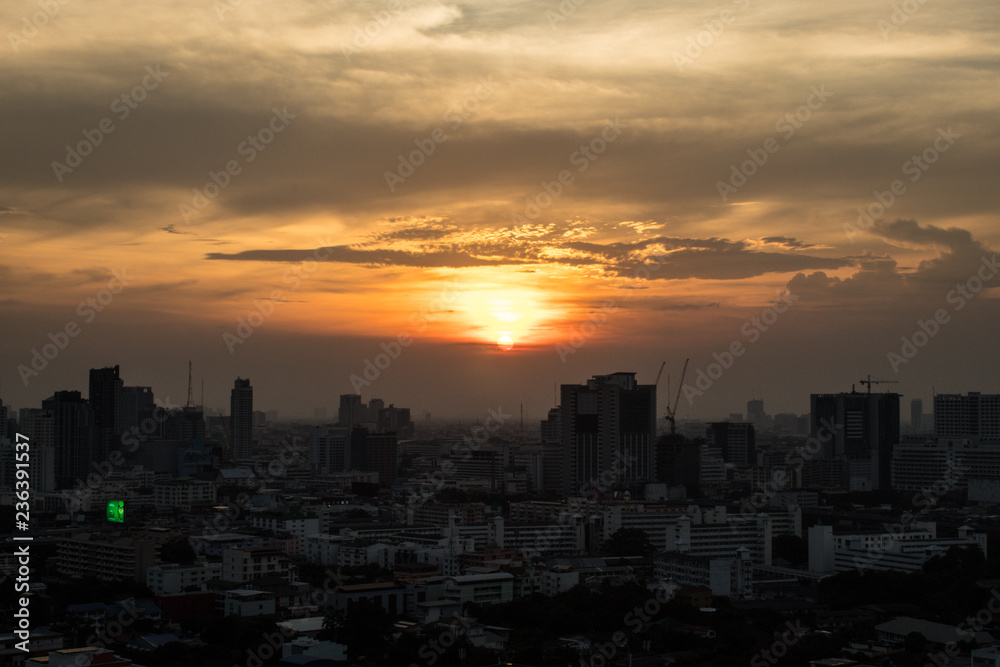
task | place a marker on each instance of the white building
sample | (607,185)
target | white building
(905,549)
(171,578)
(296,525)
(245,602)
(722,540)
(184,494)
(243,565)
(729,577)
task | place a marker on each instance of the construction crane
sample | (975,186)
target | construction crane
(658,376)
(672,410)
(871,381)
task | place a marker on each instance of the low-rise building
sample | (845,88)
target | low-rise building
(171,578)
(110,557)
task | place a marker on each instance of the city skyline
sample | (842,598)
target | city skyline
(500,199)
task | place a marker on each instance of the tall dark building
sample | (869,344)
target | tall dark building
(72,436)
(736,440)
(351,411)
(373,452)
(137,406)
(241,419)
(917,414)
(608,427)
(106,405)
(867,431)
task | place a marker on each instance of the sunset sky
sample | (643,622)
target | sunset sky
(467,171)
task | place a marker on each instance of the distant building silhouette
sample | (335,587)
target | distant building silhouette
(241,419)
(72,436)
(105,400)
(608,428)
(917,414)
(736,441)
(868,430)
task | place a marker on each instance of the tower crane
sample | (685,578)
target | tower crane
(869,381)
(672,410)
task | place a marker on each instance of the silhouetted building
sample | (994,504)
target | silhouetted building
(374,452)
(241,419)
(137,406)
(735,440)
(755,411)
(867,429)
(917,414)
(608,426)
(350,413)
(72,436)
(105,403)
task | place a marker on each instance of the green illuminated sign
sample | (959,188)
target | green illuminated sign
(116,511)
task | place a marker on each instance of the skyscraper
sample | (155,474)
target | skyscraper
(866,429)
(608,429)
(137,405)
(351,409)
(241,419)
(917,414)
(105,400)
(72,436)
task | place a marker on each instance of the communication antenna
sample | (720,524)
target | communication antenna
(190,402)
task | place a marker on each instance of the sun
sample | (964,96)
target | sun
(505,342)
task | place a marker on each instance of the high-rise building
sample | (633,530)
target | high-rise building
(351,409)
(917,414)
(329,448)
(105,400)
(72,436)
(137,406)
(736,441)
(241,419)
(36,423)
(865,429)
(755,411)
(608,427)
(373,452)
(974,415)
